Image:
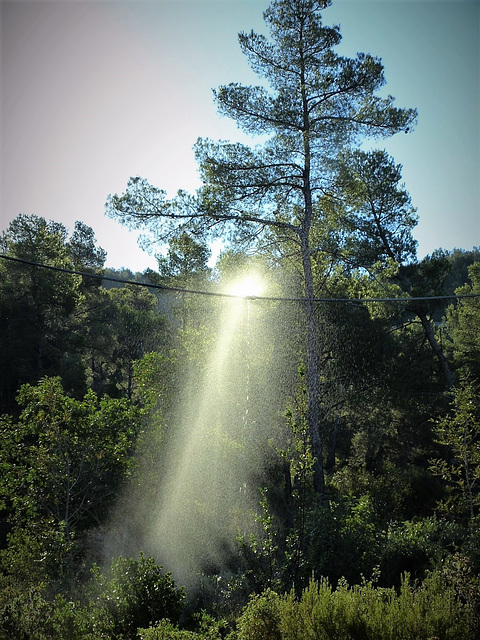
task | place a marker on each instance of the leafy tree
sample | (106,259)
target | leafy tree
(85,254)
(33,615)
(461,260)
(463,323)
(185,256)
(379,216)
(460,432)
(428,278)
(35,304)
(135,594)
(136,328)
(379,223)
(64,461)
(122,274)
(318,103)
(46,315)
(183,266)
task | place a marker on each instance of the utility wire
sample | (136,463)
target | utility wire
(219,294)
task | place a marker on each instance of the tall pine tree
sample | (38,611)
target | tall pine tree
(312,105)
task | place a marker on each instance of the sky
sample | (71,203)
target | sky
(95,92)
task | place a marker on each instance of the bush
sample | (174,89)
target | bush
(165,630)
(29,616)
(343,540)
(414,547)
(260,619)
(135,595)
(362,612)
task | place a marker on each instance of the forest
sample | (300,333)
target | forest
(184,459)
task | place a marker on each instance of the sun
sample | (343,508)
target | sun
(249,286)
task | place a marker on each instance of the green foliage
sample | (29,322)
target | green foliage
(86,256)
(276,554)
(362,612)
(298,453)
(416,547)
(260,619)
(260,553)
(134,595)
(154,375)
(379,216)
(323,221)
(30,616)
(36,305)
(185,256)
(444,605)
(56,323)
(165,630)
(463,322)
(136,329)
(460,432)
(277,196)
(459,573)
(64,461)
(208,629)
(299,464)
(339,538)
(343,539)
(461,260)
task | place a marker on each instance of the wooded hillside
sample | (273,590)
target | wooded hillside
(181,460)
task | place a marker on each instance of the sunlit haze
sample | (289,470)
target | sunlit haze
(247,286)
(93,93)
(193,501)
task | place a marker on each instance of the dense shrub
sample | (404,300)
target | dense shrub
(417,546)
(209,629)
(261,618)
(135,595)
(343,540)
(30,616)
(362,612)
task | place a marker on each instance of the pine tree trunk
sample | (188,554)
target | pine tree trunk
(437,350)
(313,372)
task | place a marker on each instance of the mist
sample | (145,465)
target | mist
(198,481)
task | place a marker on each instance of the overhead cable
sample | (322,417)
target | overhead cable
(219,294)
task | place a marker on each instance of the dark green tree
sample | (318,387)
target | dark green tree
(35,304)
(136,330)
(185,256)
(183,266)
(63,463)
(47,316)
(317,103)
(459,431)
(83,250)
(135,594)
(379,221)
(463,325)
(379,216)
(461,260)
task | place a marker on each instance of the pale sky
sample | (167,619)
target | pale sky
(93,93)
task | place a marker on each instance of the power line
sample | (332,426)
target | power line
(219,294)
